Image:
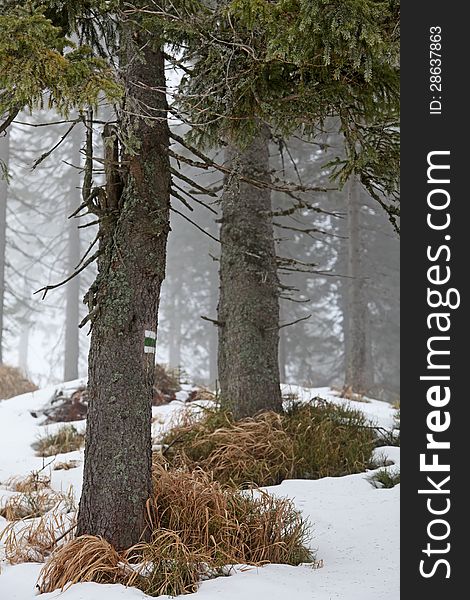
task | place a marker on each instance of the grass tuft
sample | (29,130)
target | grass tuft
(330,440)
(198,527)
(252,451)
(66,465)
(385,479)
(33,540)
(166,566)
(13,382)
(250,527)
(63,440)
(34,482)
(86,558)
(34,503)
(314,440)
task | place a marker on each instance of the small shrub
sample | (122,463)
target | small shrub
(26,506)
(13,382)
(385,478)
(65,439)
(64,407)
(201,394)
(379,460)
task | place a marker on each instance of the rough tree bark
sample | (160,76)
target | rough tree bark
(72,292)
(4,159)
(357,377)
(124,303)
(248,311)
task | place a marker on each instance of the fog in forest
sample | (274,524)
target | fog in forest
(338,265)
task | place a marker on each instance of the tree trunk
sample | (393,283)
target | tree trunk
(23,347)
(72,292)
(124,299)
(4,160)
(282,350)
(357,378)
(248,311)
(213,341)
(174,354)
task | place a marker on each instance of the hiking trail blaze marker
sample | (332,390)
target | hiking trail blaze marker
(150,342)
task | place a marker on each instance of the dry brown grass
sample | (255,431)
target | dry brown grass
(198,527)
(166,566)
(201,394)
(66,465)
(86,558)
(63,440)
(313,440)
(232,526)
(13,382)
(29,505)
(29,484)
(252,451)
(33,503)
(33,540)
(348,393)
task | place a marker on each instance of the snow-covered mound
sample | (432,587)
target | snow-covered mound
(355,526)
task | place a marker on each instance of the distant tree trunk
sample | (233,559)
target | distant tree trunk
(125,298)
(72,298)
(23,349)
(357,378)
(25,330)
(282,350)
(174,354)
(4,161)
(248,312)
(213,341)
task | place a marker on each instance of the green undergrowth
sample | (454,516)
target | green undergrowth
(308,441)
(385,479)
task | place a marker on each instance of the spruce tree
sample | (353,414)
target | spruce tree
(283,66)
(133,213)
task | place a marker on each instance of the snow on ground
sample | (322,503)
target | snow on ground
(355,526)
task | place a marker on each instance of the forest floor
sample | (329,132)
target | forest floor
(355,533)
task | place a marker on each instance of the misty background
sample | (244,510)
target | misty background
(40,245)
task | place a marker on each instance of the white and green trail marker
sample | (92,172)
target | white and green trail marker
(150,342)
